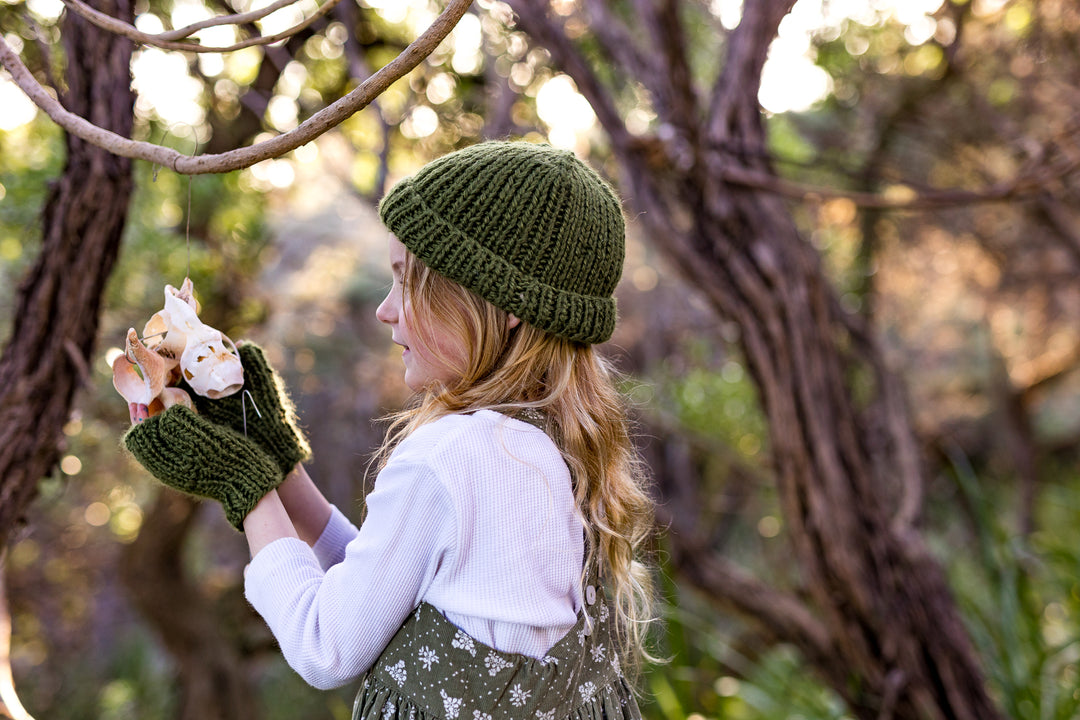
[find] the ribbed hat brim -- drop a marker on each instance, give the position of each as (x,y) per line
(451,253)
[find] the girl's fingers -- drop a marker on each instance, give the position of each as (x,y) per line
(138,412)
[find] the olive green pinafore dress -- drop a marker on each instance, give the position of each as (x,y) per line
(431,670)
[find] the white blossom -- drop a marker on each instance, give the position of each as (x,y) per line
(428,657)
(451,704)
(518,695)
(495,664)
(463,641)
(397,671)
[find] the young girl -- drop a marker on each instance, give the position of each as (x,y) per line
(495,572)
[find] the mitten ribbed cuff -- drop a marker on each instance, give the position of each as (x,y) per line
(199,458)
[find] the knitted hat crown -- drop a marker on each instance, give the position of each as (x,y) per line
(531,229)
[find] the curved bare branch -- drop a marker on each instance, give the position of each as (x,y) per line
(533,18)
(165,42)
(234,19)
(906,198)
(316,125)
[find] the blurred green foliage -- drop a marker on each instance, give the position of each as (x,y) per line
(1021,596)
(30,157)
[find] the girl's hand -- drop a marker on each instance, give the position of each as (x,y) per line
(138,412)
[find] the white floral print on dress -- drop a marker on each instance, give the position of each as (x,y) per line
(462,641)
(388,710)
(519,695)
(452,705)
(597,653)
(428,657)
(496,664)
(603,612)
(587,691)
(549,715)
(477,715)
(397,671)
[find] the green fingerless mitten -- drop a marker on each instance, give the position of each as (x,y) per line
(198,457)
(273,427)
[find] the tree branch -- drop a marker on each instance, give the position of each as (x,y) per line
(232,19)
(359,68)
(163,40)
(680,97)
(781,616)
(619,44)
(906,199)
(533,19)
(742,67)
(316,125)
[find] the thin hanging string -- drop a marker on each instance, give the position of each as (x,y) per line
(244,396)
(187,219)
(187,224)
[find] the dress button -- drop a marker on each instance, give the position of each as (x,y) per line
(590,594)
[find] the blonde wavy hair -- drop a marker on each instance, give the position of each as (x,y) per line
(515,369)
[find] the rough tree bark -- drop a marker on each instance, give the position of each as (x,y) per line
(56,311)
(878,621)
(213,684)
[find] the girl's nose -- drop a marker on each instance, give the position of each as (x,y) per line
(385,312)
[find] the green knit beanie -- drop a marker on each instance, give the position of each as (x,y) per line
(531,229)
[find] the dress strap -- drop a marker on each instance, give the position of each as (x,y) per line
(533,416)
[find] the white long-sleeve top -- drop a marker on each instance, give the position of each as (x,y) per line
(474,514)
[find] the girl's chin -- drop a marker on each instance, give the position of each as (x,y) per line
(410,382)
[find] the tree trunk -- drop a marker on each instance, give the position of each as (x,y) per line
(57,306)
(878,621)
(212,681)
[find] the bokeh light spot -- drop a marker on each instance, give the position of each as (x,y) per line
(97,514)
(70,465)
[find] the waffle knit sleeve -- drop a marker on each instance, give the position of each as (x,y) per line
(332,624)
(339,532)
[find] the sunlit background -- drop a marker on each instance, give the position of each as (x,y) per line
(791,82)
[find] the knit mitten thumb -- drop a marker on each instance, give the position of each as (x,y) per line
(198,457)
(271,422)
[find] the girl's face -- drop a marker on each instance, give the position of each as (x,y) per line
(430,350)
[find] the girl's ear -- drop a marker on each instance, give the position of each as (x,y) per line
(512,321)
